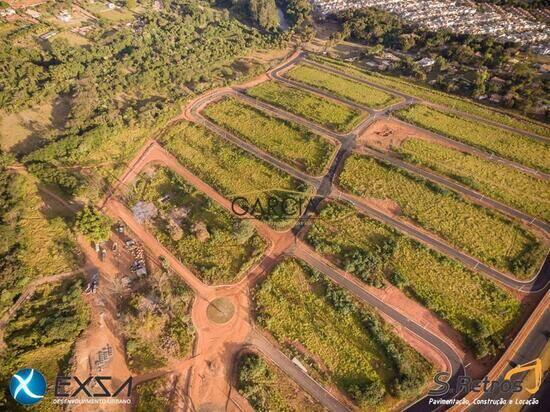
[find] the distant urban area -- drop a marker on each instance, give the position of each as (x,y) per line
(504,24)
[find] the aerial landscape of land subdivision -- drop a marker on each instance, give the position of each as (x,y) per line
(274,205)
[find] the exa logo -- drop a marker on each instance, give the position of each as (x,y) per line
(28,386)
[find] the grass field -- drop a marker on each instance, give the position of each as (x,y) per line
(340,86)
(232,171)
(470,303)
(268,389)
(511,186)
(230,247)
(307,105)
(23,131)
(484,234)
(338,339)
(513,146)
(438,97)
(285,140)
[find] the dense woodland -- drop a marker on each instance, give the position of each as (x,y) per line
(124,84)
(464,63)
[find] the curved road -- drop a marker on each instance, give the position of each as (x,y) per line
(276,74)
(323,186)
(428,103)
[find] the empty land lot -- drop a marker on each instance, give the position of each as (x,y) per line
(327,113)
(268,389)
(438,97)
(511,186)
(283,139)
(213,243)
(484,234)
(232,171)
(343,342)
(513,146)
(471,304)
(342,87)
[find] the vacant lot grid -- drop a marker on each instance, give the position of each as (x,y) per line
(484,234)
(527,151)
(343,342)
(438,97)
(232,171)
(340,86)
(283,139)
(471,304)
(508,185)
(327,113)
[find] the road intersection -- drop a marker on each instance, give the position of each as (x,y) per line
(218,345)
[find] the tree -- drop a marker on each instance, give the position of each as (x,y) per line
(264,13)
(479,83)
(92,224)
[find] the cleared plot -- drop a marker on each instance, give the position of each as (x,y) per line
(268,389)
(438,97)
(307,105)
(484,234)
(471,304)
(519,190)
(215,245)
(513,146)
(340,86)
(234,172)
(341,341)
(285,140)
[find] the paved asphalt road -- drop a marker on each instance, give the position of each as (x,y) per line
(530,349)
(323,186)
(534,285)
(457,368)
(397,93)
(409,100)
(296,374)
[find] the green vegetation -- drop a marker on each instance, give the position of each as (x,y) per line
(156,320)
(484,234)
(340,340)
(30,245)
(154,395)
(307,105)
(530,152)
(340,86)
(43,332)
(114,98)
(215,245)
(438,97)
(463,63)
(92,224)
(470,303)
(511,186)
(268,389)
(218,162)
(283,139)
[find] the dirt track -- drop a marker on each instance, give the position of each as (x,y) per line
(217,345)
